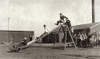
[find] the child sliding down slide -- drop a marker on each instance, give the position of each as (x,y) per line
(24,44)
(21,45)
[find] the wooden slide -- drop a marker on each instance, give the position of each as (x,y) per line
(43,35)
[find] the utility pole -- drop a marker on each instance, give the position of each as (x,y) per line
(93,11)
(8,29)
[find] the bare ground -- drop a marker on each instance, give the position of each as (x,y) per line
(49,52)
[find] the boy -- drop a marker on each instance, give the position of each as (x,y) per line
(23,43)
(62,19)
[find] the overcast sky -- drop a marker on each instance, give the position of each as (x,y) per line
(33,14)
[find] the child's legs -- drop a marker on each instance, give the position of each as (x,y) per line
(60,21)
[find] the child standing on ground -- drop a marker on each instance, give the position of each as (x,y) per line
(92,41)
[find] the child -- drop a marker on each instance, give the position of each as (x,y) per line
(23,43)
(62,19)
(92,41)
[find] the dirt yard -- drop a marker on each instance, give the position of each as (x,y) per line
(49,52)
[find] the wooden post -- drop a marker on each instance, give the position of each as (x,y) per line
(55,39)
(8,30)
(65,38)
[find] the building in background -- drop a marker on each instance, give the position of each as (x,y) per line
(14,36)
(88,28)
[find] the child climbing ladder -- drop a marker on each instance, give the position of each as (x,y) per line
(66,26)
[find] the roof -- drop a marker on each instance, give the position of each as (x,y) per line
(16,30)
(84,26)
(76,27)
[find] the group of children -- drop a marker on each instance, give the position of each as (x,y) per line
(83,40)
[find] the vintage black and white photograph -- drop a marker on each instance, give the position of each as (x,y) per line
(49,29)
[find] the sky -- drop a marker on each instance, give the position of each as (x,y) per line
(31,15)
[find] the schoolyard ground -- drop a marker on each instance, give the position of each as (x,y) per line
(46,51)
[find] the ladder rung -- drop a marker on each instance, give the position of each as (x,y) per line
(69,43)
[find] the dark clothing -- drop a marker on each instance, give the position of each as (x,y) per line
(68,23)
(59,22)
(84,43)
(78,42)
(30,38)
(24,42)
(62,17)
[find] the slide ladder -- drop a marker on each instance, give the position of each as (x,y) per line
(69,31)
